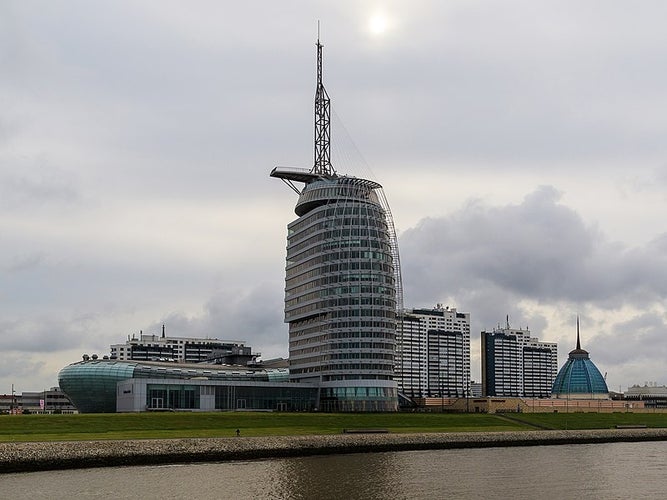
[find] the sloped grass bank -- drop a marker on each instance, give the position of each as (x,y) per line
(196,425)
(169,425)
(577,421)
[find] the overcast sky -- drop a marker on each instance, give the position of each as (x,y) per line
(522,147)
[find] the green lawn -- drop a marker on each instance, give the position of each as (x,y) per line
(186,424)
(194,425)
(593,420)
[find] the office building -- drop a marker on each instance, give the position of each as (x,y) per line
(342,282)
(514,364)
(50,401)
(433,357)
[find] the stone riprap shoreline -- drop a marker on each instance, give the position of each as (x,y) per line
(36,456)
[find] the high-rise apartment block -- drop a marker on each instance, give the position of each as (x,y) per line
(433,356)
(514,364)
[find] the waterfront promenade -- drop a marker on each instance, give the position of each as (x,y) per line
(35,456)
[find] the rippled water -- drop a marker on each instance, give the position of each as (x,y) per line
(604,471)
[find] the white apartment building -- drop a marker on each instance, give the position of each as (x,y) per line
(433,352)
(514,364)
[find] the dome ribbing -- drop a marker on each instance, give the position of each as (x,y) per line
(579,378)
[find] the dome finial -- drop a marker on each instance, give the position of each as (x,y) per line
(578,341)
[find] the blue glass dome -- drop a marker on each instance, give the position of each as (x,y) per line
(579,377)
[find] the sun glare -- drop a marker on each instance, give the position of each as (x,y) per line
(378,23)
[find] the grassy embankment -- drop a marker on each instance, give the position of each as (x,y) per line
(200,425)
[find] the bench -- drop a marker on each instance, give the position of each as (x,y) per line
(365,431)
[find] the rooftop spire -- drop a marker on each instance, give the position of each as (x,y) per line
(322,165)
(578,341)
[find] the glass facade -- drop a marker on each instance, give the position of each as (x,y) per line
(260,398)
(174,397)
(579,376)
(230,397)
(340,295)
(91,385)
(343,399)
(343,280)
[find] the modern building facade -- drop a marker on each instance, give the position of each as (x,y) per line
(107,386)
(514,364)
(182,349)
(342,283)
(433,357)
(579,378)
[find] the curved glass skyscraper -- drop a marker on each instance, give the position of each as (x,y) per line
(342,283)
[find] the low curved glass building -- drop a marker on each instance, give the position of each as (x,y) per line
(107,386)
(579,378)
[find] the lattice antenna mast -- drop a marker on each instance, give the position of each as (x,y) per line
(322,164)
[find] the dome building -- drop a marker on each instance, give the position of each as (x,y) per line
(579,378)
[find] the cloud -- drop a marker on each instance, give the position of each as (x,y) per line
(137,137)
(25,262)
(18,368)
(538,261)
(642,337)
(42,188)
(46,333)
(538,249)
(253,314)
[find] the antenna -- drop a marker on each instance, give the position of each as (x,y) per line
(322,164)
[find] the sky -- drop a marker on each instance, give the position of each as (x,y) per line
(521,146)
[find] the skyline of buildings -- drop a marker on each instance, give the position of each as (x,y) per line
(342,294)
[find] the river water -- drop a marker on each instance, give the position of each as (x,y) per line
(599,471)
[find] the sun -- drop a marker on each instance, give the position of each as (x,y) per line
(378,23)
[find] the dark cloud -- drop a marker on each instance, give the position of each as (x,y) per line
(643,338)
(21,263)
(253,314)
(538,249)
(18,368)
(47,333)
(41,187)
(494,261)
